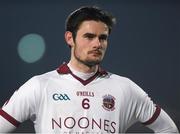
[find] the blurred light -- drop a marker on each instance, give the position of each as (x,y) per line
(31,48)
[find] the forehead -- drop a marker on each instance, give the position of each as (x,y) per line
(92,26)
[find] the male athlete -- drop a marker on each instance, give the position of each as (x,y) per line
(79,96)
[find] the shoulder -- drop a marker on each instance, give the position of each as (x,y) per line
(127,84)
(46,76)
(37,81)
(118,78)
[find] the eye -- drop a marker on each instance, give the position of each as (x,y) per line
(89,36)
(103,37)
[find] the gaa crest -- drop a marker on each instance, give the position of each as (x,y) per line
(108,102)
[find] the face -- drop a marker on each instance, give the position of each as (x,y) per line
(90,43)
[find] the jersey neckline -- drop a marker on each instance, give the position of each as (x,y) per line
(64,69)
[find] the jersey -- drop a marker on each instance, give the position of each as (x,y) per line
(61,102)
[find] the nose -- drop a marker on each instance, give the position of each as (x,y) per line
(97,43)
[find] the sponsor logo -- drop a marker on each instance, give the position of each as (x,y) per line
(84,123)
(60,97)
(108,102)
(85,93)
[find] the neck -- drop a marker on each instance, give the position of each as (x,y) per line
(82,67)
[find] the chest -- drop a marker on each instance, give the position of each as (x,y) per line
(98,96)
(72,105)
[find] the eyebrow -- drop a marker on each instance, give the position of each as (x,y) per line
(93,35)
(89,34)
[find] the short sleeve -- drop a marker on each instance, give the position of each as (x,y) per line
(145,110)
(22,104)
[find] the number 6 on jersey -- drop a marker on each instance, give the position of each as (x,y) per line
(85,103)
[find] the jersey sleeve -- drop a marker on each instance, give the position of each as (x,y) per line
(20,107)
(150,114)
(163,124)
(145,110)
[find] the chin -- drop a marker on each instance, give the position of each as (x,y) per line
(92,62)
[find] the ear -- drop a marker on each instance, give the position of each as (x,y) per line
(69,38)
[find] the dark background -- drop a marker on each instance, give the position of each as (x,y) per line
(144,46)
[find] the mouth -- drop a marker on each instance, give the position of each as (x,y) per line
(95,52)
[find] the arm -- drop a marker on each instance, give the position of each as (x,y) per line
(7,122)
(163,124)
(150,114)
(20,107)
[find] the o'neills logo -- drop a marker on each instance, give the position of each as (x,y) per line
(108,102)
(85,123)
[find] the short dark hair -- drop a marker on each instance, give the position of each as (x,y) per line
(84,13)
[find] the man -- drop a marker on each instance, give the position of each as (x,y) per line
(81,97)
